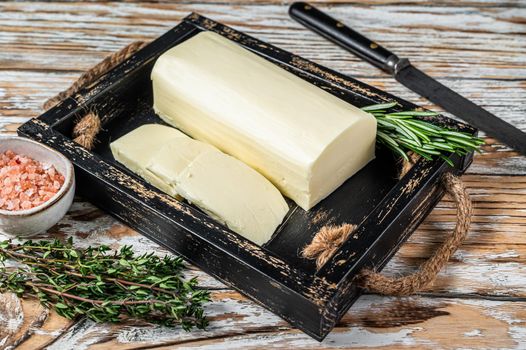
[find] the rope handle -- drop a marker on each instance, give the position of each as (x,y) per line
(427,272)
(327,241)
(87,127)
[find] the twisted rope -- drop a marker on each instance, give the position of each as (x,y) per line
(326,243)
(427,272)
(87,128)
(330,238)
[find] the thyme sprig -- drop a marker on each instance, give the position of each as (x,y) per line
(101,285)
(403,132)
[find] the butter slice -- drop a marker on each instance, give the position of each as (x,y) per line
(234,194)
(225,188)
(135,150)
(302,138)
(168,161)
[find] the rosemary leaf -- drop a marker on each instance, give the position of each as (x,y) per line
(380,106)
(415,113)
(402,132)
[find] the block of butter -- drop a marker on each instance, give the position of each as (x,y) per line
(233,193)
(225,188)
(305,140)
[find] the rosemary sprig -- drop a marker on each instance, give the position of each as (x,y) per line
(100,285)
(403,132)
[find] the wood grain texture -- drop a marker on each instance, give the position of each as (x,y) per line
(476,47)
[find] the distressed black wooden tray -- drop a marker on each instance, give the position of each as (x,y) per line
(386,210)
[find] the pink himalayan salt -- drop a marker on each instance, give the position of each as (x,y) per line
(26,183)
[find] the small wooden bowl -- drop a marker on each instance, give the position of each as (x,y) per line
(29,222)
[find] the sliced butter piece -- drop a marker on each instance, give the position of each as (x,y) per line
(135,150)
(172,158)
(305,140)
(234,194)
(222,186)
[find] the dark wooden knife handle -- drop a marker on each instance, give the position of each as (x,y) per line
(343,36)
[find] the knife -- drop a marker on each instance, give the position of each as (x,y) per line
(407,74)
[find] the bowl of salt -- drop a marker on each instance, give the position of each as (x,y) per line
(37,186)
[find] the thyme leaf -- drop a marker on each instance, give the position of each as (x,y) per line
(101,285)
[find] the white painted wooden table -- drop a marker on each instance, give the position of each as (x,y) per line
(477,47)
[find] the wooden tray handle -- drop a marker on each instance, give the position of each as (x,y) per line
(426,274)
(87,128)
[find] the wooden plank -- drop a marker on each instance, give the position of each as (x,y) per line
(442,42)
(237,323)
(442,3)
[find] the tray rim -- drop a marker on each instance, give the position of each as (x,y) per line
(323,285)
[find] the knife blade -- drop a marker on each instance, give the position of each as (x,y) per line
(408,75)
